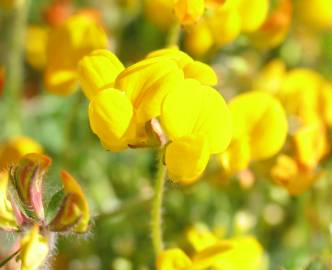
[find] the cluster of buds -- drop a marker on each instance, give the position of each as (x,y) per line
(22,208)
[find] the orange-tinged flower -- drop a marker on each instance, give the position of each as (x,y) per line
(275,29)
(74,211)
(288,173)
(15,148)
(68,43)
(189,11)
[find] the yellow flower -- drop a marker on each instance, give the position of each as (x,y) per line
(200,237)
(289,174)
(263,129)
(311,144)
(271,77)
(160,12)
(173,259)
(118,116)
(225,23)
(34,249)
(299,95)
(199,39)
(252,13)
(197,122)
(237,253)
(325,103)
(7,217)
(68,43)
(275,29)
(15,148)
(237,157)
(98,71)
(189,11)
(192,69)
(74,212)
(316,14)
(35,46)
(243,252)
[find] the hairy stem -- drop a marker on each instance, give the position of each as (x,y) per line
(156,213)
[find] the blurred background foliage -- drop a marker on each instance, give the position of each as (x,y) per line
(296,232)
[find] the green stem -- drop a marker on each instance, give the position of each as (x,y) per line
(15,67)
(156,213)
(174,35)
(5,261)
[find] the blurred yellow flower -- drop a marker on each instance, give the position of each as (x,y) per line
(35,45)
(258,134)
(275,29)
(288,173)
(68,43)
(252,13)
(225,23)
(34,249)
(316,14)
(311,144)
(237,253)
(197,121)
(160,12)
(15,148)
(98,71)
(199,39)
(7,217)
(173,259)
(189,11)
(271,77)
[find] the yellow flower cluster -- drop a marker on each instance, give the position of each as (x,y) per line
(167,85)
(224,22)
(307,99)
(210,252)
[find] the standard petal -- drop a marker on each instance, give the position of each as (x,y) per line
(146,83)
(198,110)
(98,71)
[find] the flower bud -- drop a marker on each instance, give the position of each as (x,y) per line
(27,177)
(34,249)
(74,211)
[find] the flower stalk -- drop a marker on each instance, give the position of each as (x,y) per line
(15,65)
(156,213)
